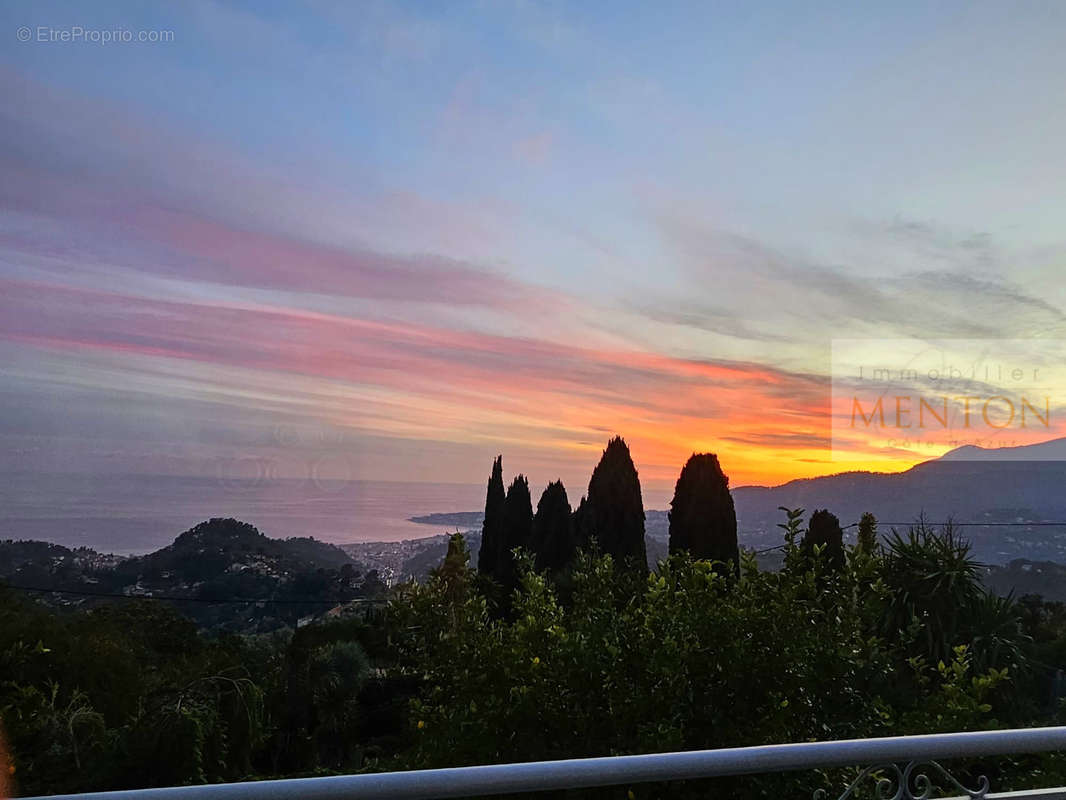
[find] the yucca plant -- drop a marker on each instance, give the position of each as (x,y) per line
(997,639)
(932,582)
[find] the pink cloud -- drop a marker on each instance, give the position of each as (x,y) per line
(475,384)
(227,254)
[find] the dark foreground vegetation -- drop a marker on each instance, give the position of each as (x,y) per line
(561,645)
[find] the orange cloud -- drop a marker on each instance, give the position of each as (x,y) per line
(411,381)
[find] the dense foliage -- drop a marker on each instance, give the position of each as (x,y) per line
(128,694)
(899,639)
(699,657)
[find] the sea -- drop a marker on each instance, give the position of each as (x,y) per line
(134,514)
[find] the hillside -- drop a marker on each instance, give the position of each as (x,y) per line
(220,547)
(207,572)
(1024,577)
(969,487)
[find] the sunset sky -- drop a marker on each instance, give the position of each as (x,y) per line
(388,241)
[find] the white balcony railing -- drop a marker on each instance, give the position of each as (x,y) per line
(907,766)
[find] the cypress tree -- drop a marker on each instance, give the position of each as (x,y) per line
(615,509)
(518,514)
(867,538)
(824,529)
(492,529)
(580,522)
(517,527)
(703,520)
(553,539)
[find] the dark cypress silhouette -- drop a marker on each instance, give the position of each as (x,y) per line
(580,523)
(553,537)
(489,558)
(824,529)
(867,538)
(518,514)
(518,529)
(703,520)
(615,509)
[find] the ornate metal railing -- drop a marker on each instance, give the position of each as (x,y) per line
(909,781)
(906,768)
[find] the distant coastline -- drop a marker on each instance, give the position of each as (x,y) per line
(138,514)
(462,519)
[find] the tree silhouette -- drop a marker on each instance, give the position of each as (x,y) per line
(454,571)
(824,530)
(615,512)
(489,558)
(703,520)
(867,538)
(553,537)
(518,514)
(517,527)
(581,523)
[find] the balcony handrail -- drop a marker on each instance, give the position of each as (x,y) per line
(583,773)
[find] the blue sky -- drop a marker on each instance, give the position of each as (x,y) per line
(613,208)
